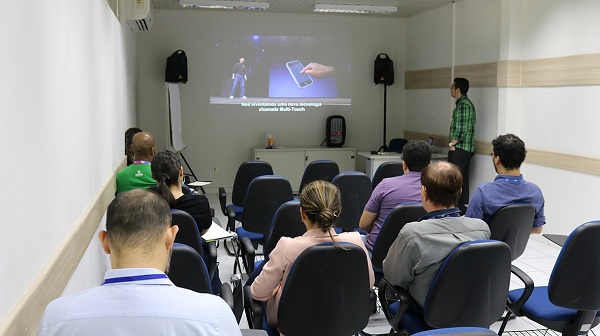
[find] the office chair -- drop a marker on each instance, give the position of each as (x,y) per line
(396,145)
(469,290)
(570,303)
(512,225)
(286,223)
(188,270)
(264,196)
(355,188)
(246,172)
(393,223)
(324,170)
(326,293)
(385,170)
(188,234)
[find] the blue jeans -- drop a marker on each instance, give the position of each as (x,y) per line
(238,79)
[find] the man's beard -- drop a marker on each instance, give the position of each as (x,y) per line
(168,267)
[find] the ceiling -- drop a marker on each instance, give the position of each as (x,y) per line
(406,8)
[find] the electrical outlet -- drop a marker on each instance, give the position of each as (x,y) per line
(214,169)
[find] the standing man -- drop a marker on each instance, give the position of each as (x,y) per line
(138,174)
(239,76)
(462,134)
(137,297)
(393,191)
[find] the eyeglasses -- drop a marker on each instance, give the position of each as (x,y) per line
(492,154)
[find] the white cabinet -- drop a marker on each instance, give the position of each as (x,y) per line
(290,162)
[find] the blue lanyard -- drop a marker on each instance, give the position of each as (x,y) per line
(509,180)
(135,278)
(452,214)
(141,162)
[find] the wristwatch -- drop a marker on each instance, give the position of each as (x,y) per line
(451,144)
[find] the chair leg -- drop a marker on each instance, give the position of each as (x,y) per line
(504,322)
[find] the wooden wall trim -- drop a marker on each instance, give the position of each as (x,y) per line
(575,163)
(558,71)
(51,282)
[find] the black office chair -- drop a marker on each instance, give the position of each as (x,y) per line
(246,172)
(385,170)
(188,270)
(469,290)
(324,170)
(326,293)
(570,304)
(393,223)
(512,225)
(188,234)
(355,188)
(264,196)
(287,222)
(396,145)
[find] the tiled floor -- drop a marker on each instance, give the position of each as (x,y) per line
(537,261)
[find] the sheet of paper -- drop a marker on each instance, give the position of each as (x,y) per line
(216,232)
(199,183)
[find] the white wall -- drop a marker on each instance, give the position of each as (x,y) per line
(66,98)
(555,119)
(223,138)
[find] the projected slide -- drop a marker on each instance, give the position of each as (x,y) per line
(280,73)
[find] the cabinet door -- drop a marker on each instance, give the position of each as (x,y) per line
(289,164)
(345,158)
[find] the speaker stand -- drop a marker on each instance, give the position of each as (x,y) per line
(383,147)
(191,171)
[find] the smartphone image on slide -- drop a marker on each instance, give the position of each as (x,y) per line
(303,80)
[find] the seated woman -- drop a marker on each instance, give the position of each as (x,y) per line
(320,205)
(168,174)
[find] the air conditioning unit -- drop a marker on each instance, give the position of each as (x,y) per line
(139,15)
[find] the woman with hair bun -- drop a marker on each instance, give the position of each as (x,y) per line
(320,206)
(168,173)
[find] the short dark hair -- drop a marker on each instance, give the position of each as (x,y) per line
(136,218)
(442,181)
(416,154)
(510,149)
(462,84)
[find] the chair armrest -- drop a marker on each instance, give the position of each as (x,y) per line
(212,259)
(248,254)
(227,295)
(515,307)
(396,294)
(230,213)
(254,310)
(223,200)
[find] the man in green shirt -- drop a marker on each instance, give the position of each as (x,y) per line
(138,174)
(462,134)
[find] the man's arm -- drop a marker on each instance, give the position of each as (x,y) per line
(366,221)
(537,230)
(475,208)
(399,264)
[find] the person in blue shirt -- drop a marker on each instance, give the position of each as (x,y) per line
(509,186)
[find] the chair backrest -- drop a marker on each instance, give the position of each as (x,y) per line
(393,223)
(188,269)
(355,188)
(471,286)
(326,292)
(512,225)
(265,195)
(188,230)
(324,170)
(576,274)
(385,170)
(245,174)
(286,223)
(396,145)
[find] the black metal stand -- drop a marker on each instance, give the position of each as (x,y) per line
(191,173)
(383,147)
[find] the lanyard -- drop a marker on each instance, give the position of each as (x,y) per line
(509,180)
(135,278)
(141,162)
(452,212)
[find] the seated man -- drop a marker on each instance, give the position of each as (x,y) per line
(136,297)
(138,174)
(393,191)
(419,250)
(509,186)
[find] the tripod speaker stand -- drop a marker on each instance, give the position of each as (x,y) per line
(384,74)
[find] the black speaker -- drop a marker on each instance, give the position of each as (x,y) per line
(176,70)
(384,70)
(336,131)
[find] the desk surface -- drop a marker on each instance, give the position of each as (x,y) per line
(392,156)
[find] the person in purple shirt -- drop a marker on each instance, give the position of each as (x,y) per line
(509,186)
(393,191)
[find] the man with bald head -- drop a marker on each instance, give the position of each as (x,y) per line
(417,253)
(138,174)
(137,297)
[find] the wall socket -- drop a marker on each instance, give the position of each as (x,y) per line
(214,169)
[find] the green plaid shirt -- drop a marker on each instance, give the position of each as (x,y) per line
(462,127)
